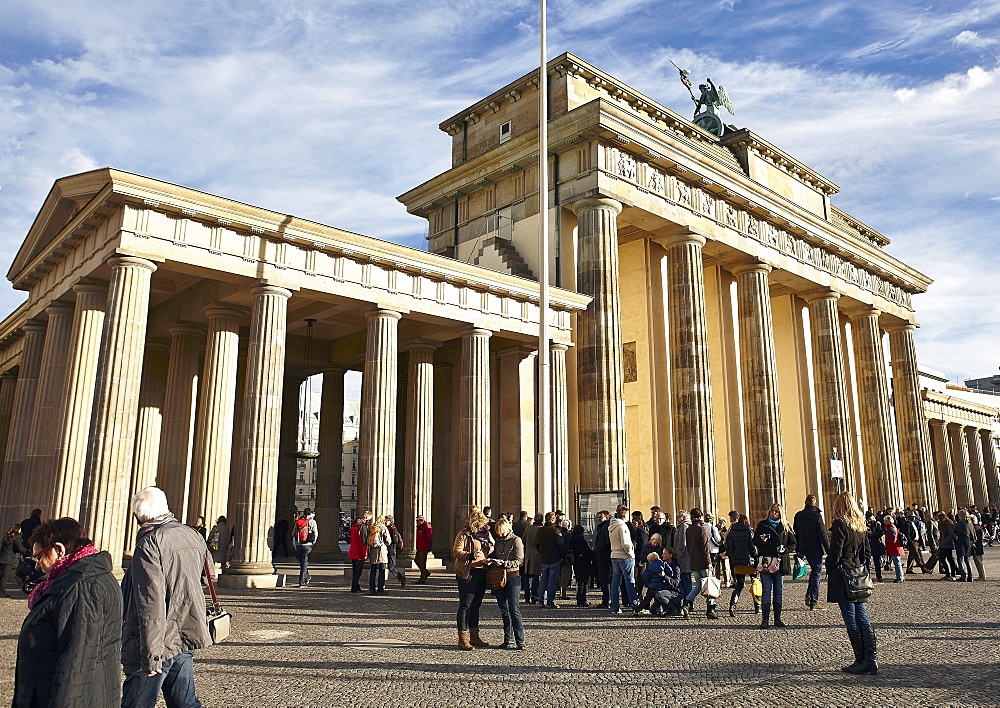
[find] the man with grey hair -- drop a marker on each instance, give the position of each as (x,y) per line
(164,617)
(681,551)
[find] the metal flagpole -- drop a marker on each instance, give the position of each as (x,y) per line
(544,467)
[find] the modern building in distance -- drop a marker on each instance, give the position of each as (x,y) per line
(988,384)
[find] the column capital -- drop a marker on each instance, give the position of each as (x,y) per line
(121,261)
(559,347)
(681,238)
(595,203)
(382,314)
(754,267)
(954,426)
(182,328)
(90,289)
(425,345)
(334,370)
(224,309)
(476,332)
(903,327)
(820,295)
(8,375)
(522,352)
(33,327)
(866,313)
(266,289)
(937,422)
(971,428)
(58,308)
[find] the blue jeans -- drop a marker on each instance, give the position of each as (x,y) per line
(816,574)
(549,586)
(302,552)
(176,682)
(695,577)
(510,611)
(855,615)
(964,568)
(897,564)
(623,570)
(773,585)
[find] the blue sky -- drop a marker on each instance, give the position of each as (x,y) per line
(328,110)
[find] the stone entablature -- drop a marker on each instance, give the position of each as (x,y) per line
(941,406)
(162,222)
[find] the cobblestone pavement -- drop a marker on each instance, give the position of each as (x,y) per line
(319,646)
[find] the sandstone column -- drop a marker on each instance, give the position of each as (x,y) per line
(960,465)
(759,379)
(976,467)
(690,379)
(989,464)
(419,459)
(174,469)
(833,417)
(288,443)
(14,493)
(328,473)
(257,472)
(8,384)
(600,376)
(561,495)
(911,425)
(873,404)
(514,391)
(104,503)
(377,446)
(209,496)
(45,433)
(78,401)
(474,428)
(148,426)
(443,480)
(942,456)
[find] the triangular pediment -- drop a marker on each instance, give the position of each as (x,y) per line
(67,198)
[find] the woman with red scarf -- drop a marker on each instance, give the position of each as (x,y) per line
(69,648)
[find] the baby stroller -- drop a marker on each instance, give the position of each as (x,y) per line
(28,574)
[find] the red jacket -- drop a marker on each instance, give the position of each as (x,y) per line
(425,534)
(892,541)
(359,541)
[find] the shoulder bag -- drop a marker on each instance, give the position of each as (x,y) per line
(496,575)
(711,587)
(218,618)
(857,583)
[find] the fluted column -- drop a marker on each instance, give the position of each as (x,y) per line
(600,377)
(474,425)
(960,465)
(942,460)
(873,407)
(444,483)
(690,378)
(177,435)
(328,473)
(78,401)
(911,425)
(515,483)
(14,501)
(148,426)
(976,470)
(104,503)
(989,464)
(560,428)
(8,385)
(833,417)
(45,432)
(257,471)
(759,379)
(418,463)
(377,446)
(213,445)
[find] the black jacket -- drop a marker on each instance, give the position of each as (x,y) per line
(69,648)
(810,532)
(551,544)
(774,543)
(876,538)
(11,552)
(602,542)
(848,548)
(738,544)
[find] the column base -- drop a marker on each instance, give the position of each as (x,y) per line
(249,581)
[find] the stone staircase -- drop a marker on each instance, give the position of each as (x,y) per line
(500,255)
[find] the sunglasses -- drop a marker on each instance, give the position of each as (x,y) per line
(36,556)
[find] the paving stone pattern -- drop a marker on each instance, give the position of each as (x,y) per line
(322,646)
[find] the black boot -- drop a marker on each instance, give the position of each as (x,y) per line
(732,604)
(777,615)
(710,613)
(765,615)
(870,665)
(756,606)
(858,645)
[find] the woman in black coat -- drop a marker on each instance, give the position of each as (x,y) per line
(583,564)
(69,648)
(876,541)
(739,552)
(12,550)
(849,548)
(773,542)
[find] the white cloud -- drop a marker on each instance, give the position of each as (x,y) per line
(974,39)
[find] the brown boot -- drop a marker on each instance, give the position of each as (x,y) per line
(463,641)
(474,638)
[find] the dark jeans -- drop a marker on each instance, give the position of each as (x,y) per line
(510,611)
(471,592)
(302,552)
(531,588)
(685,583)
(670,599)
(393,570)
(176,682)
(284,547)
(741,582)
(947,562)
(877,565)
(357,568)
(6,571)
(962,558)
(855,615)
(773,587)
(376,578)
(549,585)
(582,573)
(815,575)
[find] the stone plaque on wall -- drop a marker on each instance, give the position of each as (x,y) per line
(628,362)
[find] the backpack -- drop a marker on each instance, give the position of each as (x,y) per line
(374,538)
(305,533)
(397,539)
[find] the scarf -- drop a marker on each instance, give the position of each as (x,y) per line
(61,565)
(774,522)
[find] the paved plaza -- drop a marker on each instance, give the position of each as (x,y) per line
(322,646)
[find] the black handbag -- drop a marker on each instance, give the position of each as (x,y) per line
(857,582)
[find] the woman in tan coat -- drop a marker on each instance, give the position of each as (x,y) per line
(471,547)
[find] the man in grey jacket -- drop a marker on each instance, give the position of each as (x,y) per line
(164,618)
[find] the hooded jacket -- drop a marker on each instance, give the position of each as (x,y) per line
(621,539)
